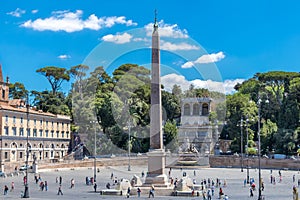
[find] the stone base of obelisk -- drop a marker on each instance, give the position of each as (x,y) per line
(156,168)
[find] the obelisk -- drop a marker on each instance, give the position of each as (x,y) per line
(156,154)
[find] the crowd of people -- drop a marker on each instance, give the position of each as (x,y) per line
(208,188)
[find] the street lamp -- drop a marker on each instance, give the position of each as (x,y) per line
(129,127)
(242,144)
(242,138)
(26,191)
(95,150)
(247,152)
(259,148)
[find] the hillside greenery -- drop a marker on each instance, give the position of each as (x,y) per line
(113,105)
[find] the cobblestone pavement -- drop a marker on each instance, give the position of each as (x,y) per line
(234,179)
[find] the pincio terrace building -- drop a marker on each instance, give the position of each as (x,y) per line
(48,134)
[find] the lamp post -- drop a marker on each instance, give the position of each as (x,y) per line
(129,127)
(247,140)
(242,144)
(240,124)
(95,150)
(259,148)
(26,191)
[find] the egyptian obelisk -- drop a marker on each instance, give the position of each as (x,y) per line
(156,154)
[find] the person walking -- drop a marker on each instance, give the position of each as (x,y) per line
(220,193)
(95,187)
(59,191)
(128,192)
(46,186)
(72,183)
(138,192)
(12,186)
(212,190)
(151,192)
(5,190)
(251,192)
(208,194)
(60,180)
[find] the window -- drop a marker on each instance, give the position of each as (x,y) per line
(28,132)
(67,134)
(41,122)
(47,133)
(21,120)
(34,133)
(205,109)
(14,131)
(57,134)
(52,133)
(21,154)
(5,155)
(34,122)
(3,93)
(52,124)
(14,119)
(41,133)
(6,118)
(62,134)
(186,109)
(57,125)
(62,125)
(46,123)
(196,109)
(21,132)
(46,155)
(6,130)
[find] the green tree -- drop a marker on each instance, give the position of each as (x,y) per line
(49,102)
(170,135)
(17,91)
(55,76)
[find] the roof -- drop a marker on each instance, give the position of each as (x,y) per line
(197,100)
(23,109)
(16,102)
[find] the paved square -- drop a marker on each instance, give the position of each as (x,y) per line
(234,179)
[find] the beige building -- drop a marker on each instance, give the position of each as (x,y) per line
(48,134)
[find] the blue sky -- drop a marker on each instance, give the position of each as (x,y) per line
(207,43)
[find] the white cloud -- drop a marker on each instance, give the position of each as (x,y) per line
(167,30)
(34,11)
(118,38)
(226,87)
(169,80)
(188,64)
(210,58)
(72,21)
(175,47)
(17,13)
(229,85)
(204,59)
(141,40)
(63,57)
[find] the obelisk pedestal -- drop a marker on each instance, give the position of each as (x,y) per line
(156,175)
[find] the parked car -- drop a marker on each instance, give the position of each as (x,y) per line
(25,167)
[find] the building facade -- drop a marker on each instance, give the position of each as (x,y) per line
(196,130)
(48,135)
